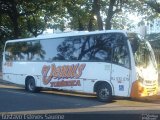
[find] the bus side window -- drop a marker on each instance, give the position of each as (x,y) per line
(121,55)
(142,55)
(97,48)
(9,52)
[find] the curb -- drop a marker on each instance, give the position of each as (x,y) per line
(3,81)
(150,99)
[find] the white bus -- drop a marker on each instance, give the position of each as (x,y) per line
(105,63)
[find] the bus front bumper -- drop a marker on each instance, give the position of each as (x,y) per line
(139,90)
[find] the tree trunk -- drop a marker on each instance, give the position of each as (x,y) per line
(110,15)
(16,32)
(14,18)
(90,25)
(95,12)
(97,8)
(80,25)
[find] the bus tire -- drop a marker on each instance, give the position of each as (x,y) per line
(31,85)
(104,92)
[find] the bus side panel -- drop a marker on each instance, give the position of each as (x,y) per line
(83,78)
(95,72)
(16,72)
(87,76)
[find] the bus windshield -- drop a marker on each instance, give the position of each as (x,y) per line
(142,51)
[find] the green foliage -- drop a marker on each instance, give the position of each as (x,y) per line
(21,18)
(154,39)
(153,36)
(154,4)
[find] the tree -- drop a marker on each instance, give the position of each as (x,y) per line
(115,6)
(92,14)
(154,4)
(21,18)
(95,15)
(77,13)
(101,14)
(30,16)
(16,12)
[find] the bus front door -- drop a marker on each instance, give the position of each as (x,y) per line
(120,74)
(120,77)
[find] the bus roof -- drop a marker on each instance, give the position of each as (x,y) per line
(67,34)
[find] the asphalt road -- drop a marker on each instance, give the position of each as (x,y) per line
(15,100)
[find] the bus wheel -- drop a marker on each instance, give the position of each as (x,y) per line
(104,92)
(30,85)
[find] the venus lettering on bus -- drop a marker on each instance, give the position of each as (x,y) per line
(65,83)
(61,72)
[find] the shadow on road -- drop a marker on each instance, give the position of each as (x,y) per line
(14,99)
